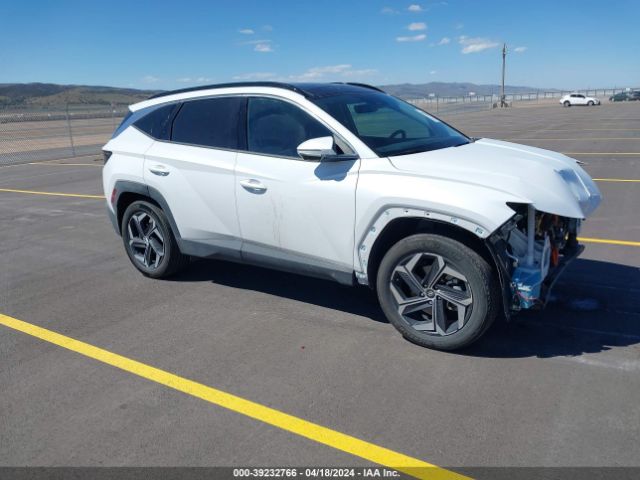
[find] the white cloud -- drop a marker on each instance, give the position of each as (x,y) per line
(444,41)
(414,8)
(267,28)
(246,31)
(475,44)
(254,42)
(433,72)
(263,48)
(359,73)
(335,71)
(413,38)
(150,79)
(194,80)
(520,49)
(389,11)
(255,76)
(415,26)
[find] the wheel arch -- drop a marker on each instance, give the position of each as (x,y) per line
(402,227)
(128,192)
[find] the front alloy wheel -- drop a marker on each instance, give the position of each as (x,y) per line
(437,292)
(431,295)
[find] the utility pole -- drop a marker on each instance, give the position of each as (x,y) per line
(503,102)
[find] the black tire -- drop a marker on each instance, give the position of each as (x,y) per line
(172,260)
(590,103)
(480,279)
(567,103)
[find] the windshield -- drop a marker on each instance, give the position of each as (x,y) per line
(389,126)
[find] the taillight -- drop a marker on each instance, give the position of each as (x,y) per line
(113,196)
(107,155)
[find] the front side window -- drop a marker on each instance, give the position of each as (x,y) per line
(389,126)
(210,122)
(276,127)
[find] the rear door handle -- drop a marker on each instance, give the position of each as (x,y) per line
(159,170)
(252,185)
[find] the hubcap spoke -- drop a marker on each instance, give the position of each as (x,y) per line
(409,278)
(414,305)
(137,243)
(459,297)
(137,226)
(436,271)
(439,318)
(147,256)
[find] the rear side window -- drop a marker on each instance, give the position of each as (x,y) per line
(211,122)
(276,127)
(157,123)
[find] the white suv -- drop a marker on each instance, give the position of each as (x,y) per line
(578,99)
(345,182)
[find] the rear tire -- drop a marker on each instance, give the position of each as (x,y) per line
(567,103)
(437,292)
(149,241)
(590,103)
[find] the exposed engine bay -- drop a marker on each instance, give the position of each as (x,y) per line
(533,248)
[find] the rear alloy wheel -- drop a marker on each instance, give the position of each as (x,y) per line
(149,241)
(437,292)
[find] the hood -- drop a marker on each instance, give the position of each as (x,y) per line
(550,181)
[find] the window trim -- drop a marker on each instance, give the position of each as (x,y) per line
(243,113)
(312,115)
(241,124)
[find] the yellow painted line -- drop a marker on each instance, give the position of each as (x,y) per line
(573,130)
(577,139)
(326,436)
(632,180)
(54,194)
(609,242)
(602,153)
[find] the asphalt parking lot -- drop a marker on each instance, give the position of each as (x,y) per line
(557,388)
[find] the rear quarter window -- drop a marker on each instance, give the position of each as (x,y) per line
(157,123)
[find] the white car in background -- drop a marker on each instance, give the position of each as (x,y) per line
(578,99)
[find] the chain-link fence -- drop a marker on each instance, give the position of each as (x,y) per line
(39,134)
(472,102)
(31,135)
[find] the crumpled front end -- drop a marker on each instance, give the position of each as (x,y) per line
(531,250)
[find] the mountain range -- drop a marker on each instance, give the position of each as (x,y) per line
(54,95)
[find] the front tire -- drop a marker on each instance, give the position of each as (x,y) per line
(149,241)
(567,103)
(590,103)
(437,292)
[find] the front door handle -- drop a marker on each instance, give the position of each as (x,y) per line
(159,170)
(252,185)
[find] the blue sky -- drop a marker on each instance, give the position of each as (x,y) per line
(157,44)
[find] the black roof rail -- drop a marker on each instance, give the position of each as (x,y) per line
(364,85)
(286,86)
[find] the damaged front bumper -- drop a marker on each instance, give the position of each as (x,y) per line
(526,281)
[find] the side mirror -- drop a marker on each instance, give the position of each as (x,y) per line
(321,149)
(316,148)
